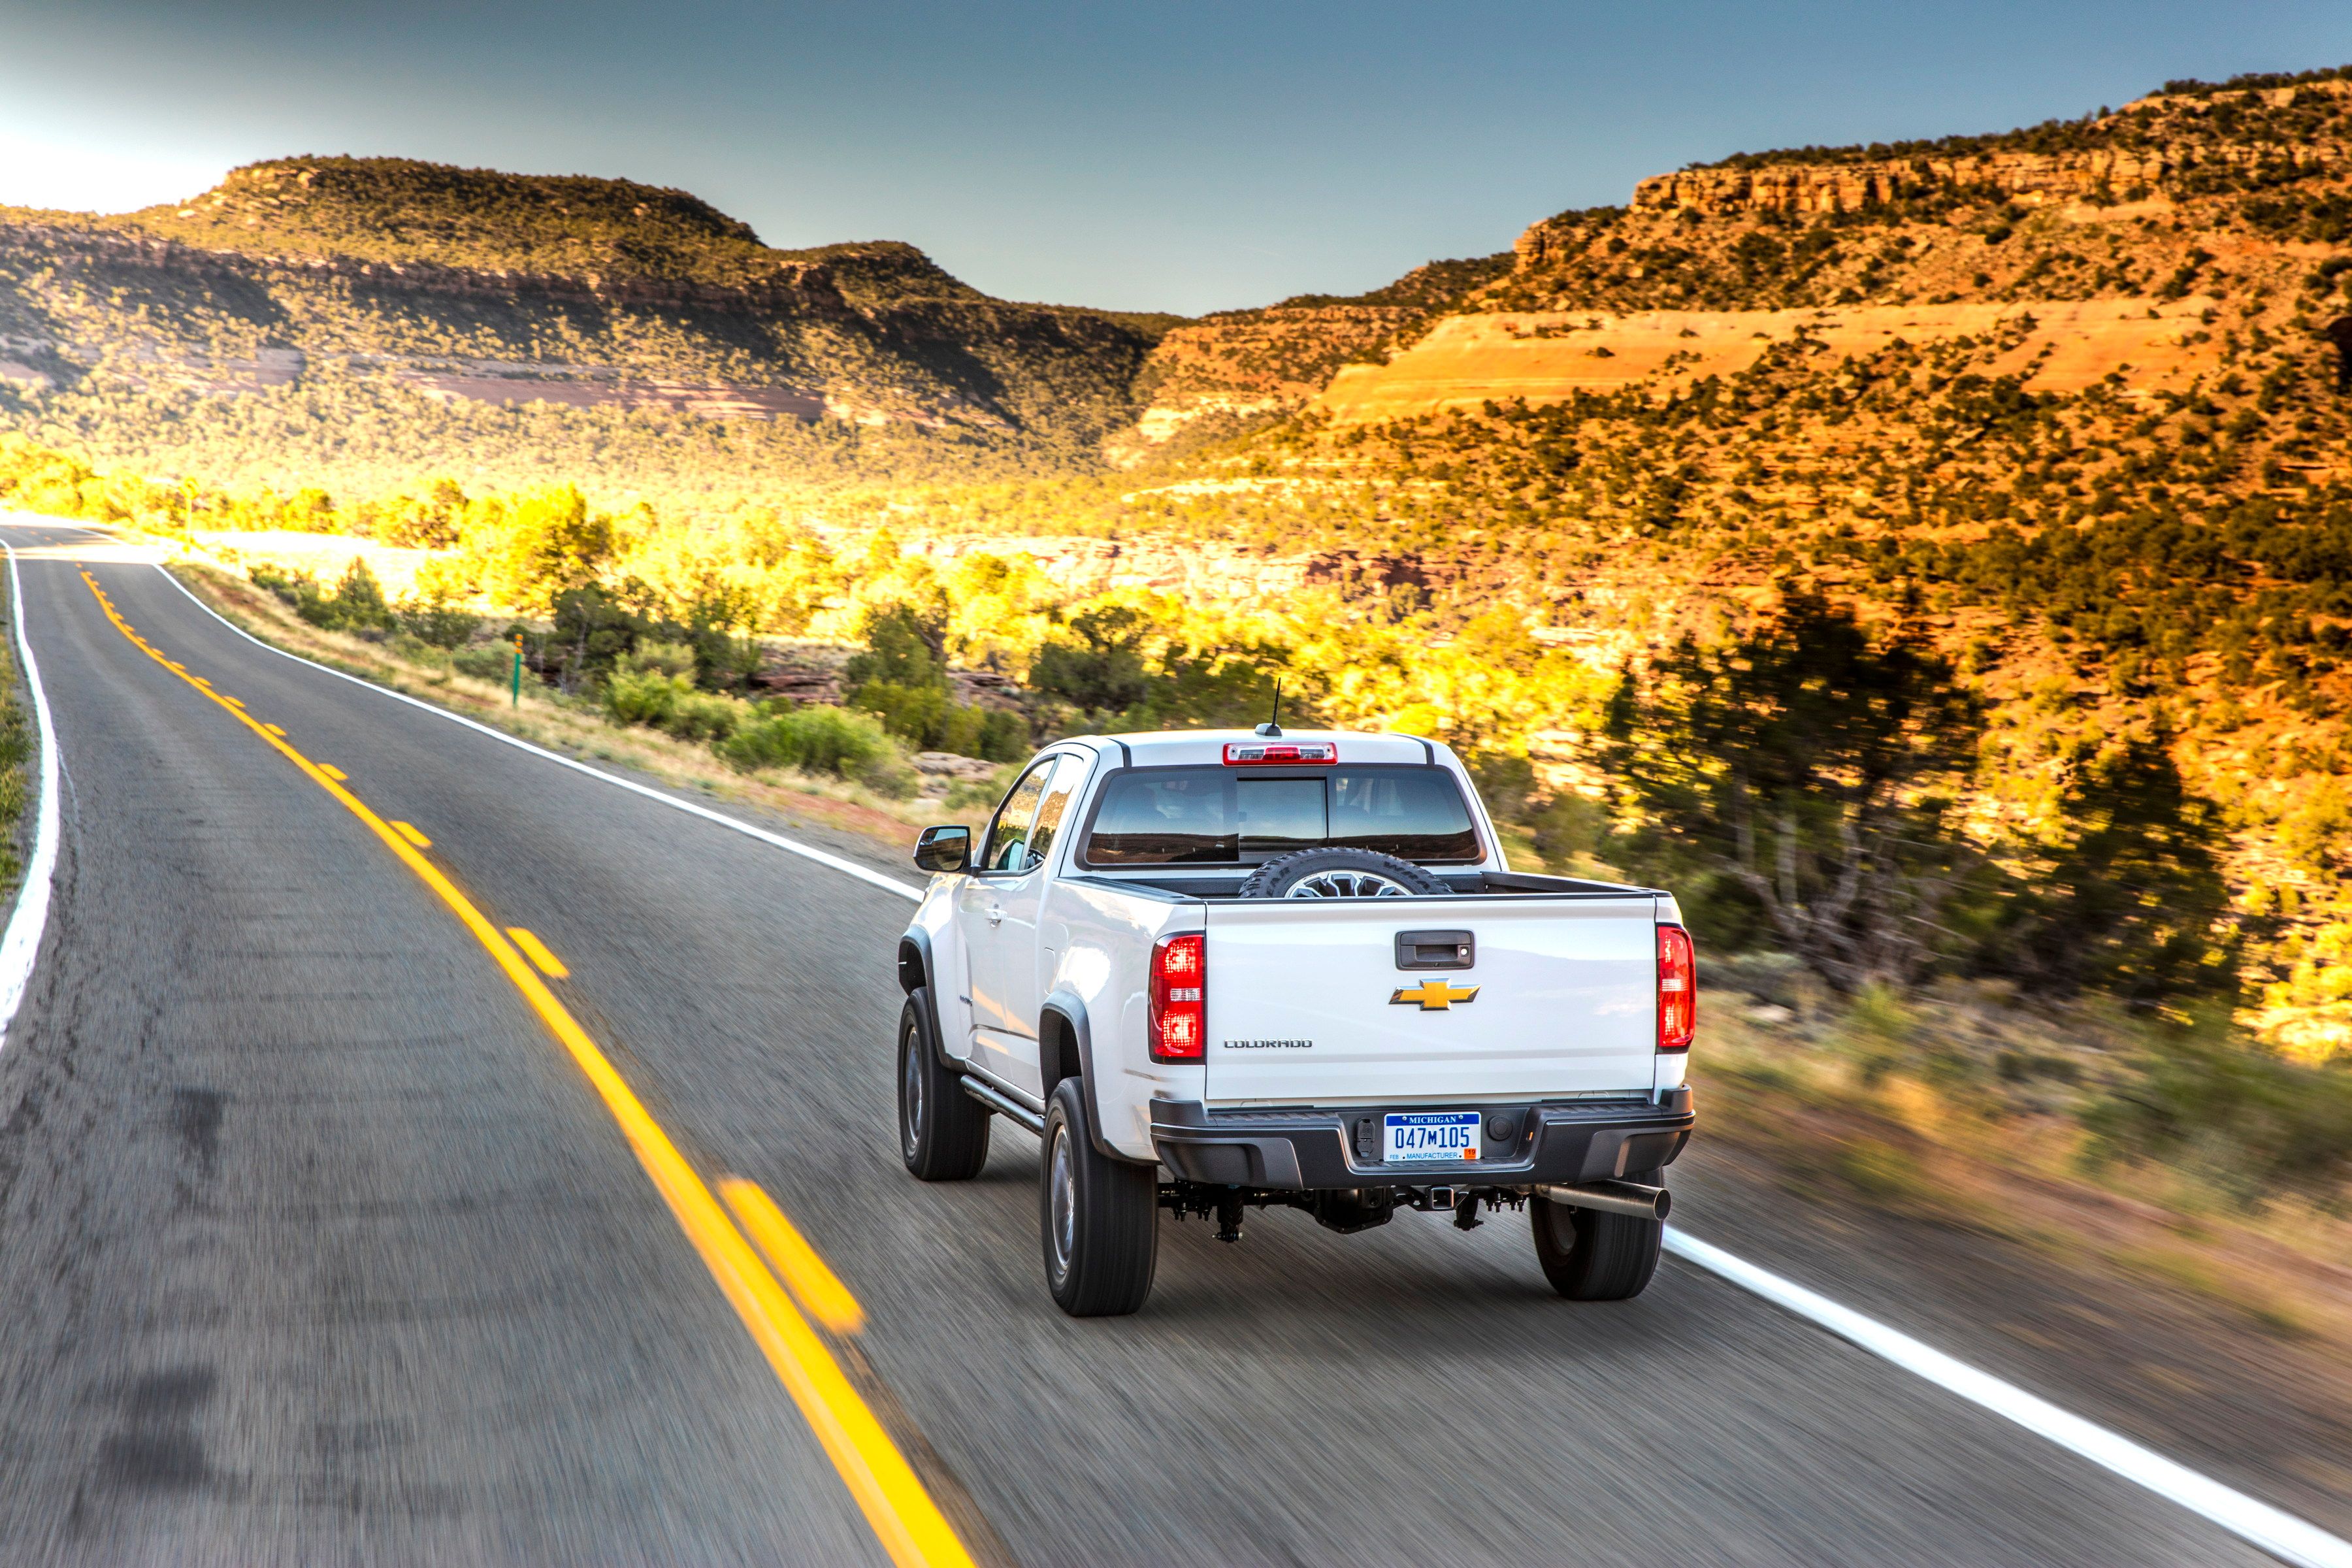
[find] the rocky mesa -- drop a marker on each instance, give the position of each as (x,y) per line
(577,291)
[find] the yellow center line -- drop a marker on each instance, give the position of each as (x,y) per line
(408,830)
(893,1499)
(537,952)
(328,769)
(814,1285)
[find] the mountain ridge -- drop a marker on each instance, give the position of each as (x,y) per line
(573,291)
(406,210)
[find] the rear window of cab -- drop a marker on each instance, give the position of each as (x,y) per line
(1215,815)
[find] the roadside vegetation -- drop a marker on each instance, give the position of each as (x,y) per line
(2182,1158)
(473,680)
(18,745)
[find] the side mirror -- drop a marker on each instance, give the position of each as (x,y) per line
(943,849)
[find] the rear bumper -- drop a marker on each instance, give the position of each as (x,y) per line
(1549,1142)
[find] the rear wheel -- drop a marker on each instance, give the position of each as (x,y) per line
(1100,1216)
(942,1130)
(1591,1256)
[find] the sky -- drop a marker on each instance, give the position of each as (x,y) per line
(1140,155)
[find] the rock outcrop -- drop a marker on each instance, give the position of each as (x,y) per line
(1806,189)
(2136,149)
(800,287)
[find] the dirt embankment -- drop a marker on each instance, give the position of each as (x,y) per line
(1547,357)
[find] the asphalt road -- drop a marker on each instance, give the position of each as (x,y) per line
(315,1245)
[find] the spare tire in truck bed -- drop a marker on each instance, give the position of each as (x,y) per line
(1340,874)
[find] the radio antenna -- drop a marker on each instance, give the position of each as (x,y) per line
(1274,726)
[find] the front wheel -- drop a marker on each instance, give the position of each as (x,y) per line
(942,1130)
(1591,1256)
(1100,1216)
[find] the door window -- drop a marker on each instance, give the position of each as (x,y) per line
(1055,806)
(1008,835)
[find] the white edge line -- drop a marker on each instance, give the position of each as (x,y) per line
(22,942)
(2277,1532)
(791,846)
(2272,1529)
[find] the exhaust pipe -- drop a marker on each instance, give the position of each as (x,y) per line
(1629,1198)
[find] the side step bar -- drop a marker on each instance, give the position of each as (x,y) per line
(1004,1105)
(1630,1199)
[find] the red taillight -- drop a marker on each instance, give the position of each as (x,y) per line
(1283,753)
(1677,989)
(1180,1005)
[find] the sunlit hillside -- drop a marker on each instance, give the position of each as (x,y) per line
(384,286)
(2054,420)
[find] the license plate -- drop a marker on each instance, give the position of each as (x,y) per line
(1415,1137)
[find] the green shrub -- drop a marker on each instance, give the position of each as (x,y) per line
(1001,737)
(822,741)
(2255,1120)
(658,657)
(645,696)
(591,631)
(436,622)
(926,718)
(495,662)
(269,579)
(300,590)
(356,602)
(981,793)
(1098,663)
(706,716)
(359,600)
(904,646)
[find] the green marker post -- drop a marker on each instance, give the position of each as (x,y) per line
(517,685)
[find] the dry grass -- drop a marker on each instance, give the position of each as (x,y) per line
(572,727)
(1961,1109)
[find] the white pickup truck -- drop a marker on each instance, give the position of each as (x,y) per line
(1215,970)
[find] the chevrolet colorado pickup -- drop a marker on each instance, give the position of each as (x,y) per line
(1214,971)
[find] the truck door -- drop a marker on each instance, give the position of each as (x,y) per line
(999,918)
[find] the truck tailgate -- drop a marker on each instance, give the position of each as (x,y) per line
(1304,1004)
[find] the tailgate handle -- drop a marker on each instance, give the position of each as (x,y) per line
(1436,950)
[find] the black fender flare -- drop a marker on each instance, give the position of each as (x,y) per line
(917,977)
(1071,1009)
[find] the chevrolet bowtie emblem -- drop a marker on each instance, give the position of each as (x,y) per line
(1432,996)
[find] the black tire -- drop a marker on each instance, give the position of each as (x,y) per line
(1100,1216)
(942,1130)
(1279,876)
(1591,1256)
